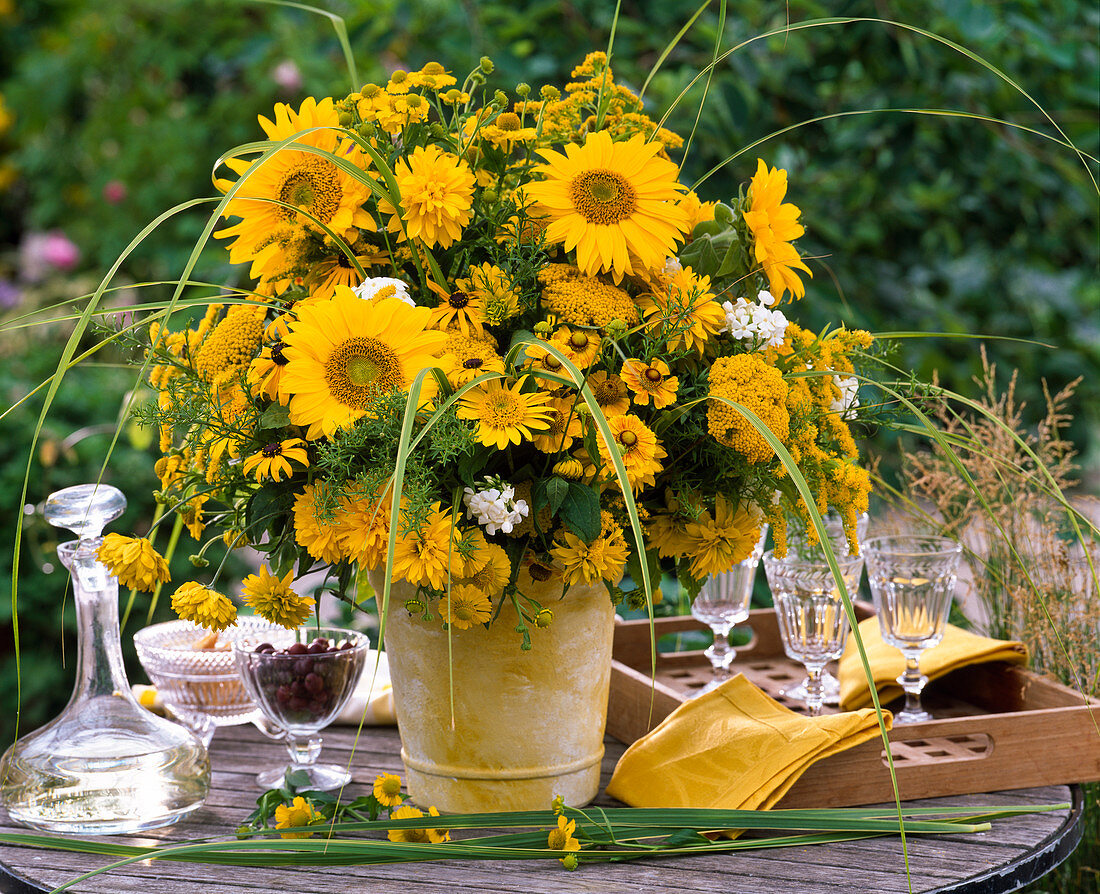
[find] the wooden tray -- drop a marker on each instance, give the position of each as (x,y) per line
(996,727)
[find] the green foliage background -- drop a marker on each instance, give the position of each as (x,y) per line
(918,223)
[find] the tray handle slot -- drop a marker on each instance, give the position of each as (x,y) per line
(940,749)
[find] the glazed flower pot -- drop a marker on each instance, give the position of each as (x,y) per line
(525,726)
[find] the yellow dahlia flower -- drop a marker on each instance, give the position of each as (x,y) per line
(437,191)
(272,598)
(134,561)
(774,225)
(715,544)
(205,607)
(615,203)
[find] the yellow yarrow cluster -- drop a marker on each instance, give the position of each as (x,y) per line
(580,300)
(747,379)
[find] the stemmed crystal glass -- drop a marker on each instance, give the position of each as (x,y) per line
(798,543)
(300,680)
(912,582)
(808,607)
(722,603)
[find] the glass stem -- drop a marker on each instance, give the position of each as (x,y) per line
(303,752)
(720,654)
(912,681)
(815,690)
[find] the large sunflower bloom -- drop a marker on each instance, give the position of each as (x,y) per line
(504,414)
(774,225)
(437,191)
(303,180)
(615,203)
(344,352)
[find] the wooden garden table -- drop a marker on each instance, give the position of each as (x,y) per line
(1015,852)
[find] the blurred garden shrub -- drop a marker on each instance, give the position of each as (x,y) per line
(111,113)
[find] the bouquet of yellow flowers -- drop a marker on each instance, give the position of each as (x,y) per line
(493,340)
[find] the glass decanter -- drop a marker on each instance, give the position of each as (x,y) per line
(105,765)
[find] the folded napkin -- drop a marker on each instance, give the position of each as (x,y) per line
(957,649)
(372,699)
(734,747)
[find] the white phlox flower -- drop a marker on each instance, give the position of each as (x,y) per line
(384,287)
(495,507)
(849,396)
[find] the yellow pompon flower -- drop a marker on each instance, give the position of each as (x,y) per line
(604,557)
(639,448)
(459,309)
(504,414)
(273,460)
(437,191)
(774,225)
(423,557)
(387,789)
(318,535)
(306,182)
(650,382)
(465,606)
(683,311)
(344,352)
(610,393)
(615,203)
(716,544)
(493,576)
(205,607)
(747,379)
(134,561)
(565,426)
(233,343)
(424,836)
(271,598)
(561,838)
(580,300)
(295,815)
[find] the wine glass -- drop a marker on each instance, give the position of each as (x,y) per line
(912,582)
(722,602)
(812,621)
(300,679)
(798,542)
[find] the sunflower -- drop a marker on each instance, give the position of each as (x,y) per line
(317,192)
(272,598)
(466,606)
(650,381)
(457,309)
(715,544)
(504,414)
(637,445)
(205,607)
(387,789)
(273,460)
(344,352)
(437,191)
(774,225)
(611,201)
(466,358)
(565,425)
(134,561)
(610,393)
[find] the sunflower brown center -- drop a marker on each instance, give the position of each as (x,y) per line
(272,450)
(472,363)
(578,341)
(654,376)
(277,355)
(609,391)
(458,300)
(628,439)
(602,197)
(551,362)
(360,368)
(312,184)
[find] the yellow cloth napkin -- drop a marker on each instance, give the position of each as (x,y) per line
(957,649)
(734,747)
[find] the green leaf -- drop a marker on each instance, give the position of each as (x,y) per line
(275,416)
(556,490)
(580,511)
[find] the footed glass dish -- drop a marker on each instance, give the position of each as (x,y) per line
(105,765)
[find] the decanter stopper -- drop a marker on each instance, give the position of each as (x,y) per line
(84,509)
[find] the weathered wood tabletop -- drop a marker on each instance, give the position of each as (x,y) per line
(1015,852)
